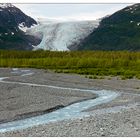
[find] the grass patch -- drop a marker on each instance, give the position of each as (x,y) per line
(93,64)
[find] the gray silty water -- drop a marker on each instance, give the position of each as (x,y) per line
(70,112)
(22,72)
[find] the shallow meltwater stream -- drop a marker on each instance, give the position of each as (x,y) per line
(72,111)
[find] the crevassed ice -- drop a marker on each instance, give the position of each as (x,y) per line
(60,35)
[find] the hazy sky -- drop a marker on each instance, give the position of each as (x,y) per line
(70,11)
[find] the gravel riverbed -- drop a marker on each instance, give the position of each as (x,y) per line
(120,117)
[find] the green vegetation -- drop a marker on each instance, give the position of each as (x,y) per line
(120,31)
(93,64)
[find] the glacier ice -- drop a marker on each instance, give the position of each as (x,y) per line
(61,35)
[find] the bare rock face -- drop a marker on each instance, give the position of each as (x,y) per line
(12,20)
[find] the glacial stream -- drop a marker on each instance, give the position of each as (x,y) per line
(72,111)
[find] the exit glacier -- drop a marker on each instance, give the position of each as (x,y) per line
(61,35)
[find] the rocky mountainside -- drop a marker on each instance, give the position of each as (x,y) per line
(12,24)
(120,31)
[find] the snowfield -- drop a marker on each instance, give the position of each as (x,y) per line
(61,36)
(5,5)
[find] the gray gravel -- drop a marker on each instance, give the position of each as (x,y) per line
(124,123)
(21,101)
(120,117)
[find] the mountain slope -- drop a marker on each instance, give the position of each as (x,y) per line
(12,20)
(120,31)
(62,36)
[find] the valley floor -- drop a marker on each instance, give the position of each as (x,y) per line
(120,117)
